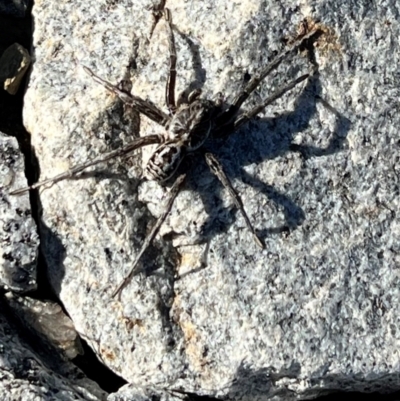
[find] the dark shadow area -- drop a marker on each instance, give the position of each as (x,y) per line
(199,71)
(263,139)
(15,30)
(351,396)
(97,371)
(52,359)
(49,356)
(19,30)
(250,385)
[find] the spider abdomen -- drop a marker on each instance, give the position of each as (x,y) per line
(164,161)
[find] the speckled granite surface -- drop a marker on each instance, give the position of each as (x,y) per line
(19,241)
(318,174)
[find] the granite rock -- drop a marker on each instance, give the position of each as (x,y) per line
(31,371)
(132,392)
(19,241)
(316,310)
(47,320)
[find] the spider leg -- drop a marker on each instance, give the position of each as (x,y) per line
(150,237)
(227,116)
(124,150)
(243,118)
(171,80)
(216,169)
(148,109)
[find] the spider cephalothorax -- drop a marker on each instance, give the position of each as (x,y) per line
(192,123)
(187,131)
(186,128)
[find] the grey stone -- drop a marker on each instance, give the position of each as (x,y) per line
(19,240)
(47,320)
(31,372)
(318,174)
(14,63)
(131,392)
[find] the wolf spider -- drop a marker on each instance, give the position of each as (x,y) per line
(187,126)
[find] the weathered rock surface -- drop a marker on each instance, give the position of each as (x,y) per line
(47,320)
(317,309)
(31,371)
(131,392)
(19,240)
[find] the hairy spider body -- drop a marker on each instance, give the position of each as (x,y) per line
(187,131)
(165,160)
(187,126)
(192,123)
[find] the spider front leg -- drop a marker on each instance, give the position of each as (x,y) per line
(148,109)
(216,169)
(128,148)
(243,118)
(228,116)
(150,237)
(171,80)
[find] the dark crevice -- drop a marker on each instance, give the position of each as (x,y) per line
(351,396)
(98,372)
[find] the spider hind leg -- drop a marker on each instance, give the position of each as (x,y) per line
(135,269)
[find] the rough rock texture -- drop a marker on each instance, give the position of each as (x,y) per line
(19,240)
(29,371)
(48,320)
(317,310)
(131,392)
